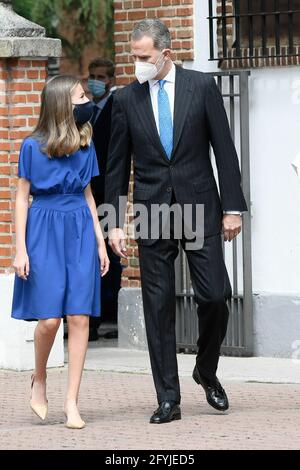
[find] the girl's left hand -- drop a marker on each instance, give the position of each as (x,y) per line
(104,260)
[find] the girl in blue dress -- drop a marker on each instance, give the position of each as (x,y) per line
(60,250)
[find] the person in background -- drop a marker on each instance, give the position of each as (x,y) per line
(101,80)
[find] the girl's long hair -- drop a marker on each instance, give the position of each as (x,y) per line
(56,129)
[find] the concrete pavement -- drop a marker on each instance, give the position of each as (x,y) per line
(108,357)
(117,398)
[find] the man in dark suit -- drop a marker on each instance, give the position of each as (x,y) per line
(101,79)
(167,119)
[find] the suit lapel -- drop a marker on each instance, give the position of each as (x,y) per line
(146,115)
(183,95)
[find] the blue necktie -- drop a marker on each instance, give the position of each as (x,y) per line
(165,119)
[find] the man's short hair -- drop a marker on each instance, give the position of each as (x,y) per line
(155,29)
(107,63)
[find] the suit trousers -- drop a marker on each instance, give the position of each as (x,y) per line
(211,287)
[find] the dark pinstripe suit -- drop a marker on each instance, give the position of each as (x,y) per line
(199,120)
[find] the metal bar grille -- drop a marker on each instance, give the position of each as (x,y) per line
(237,27)
(290,27)
(250,29)
(277,28)
(255,33)
(224,27)
(239,338)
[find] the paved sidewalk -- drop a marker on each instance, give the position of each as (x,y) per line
(117,404)
(102,356)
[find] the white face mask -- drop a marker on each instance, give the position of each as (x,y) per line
(145,71)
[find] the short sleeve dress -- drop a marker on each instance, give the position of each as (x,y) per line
(64,276)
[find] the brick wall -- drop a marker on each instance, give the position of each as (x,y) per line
(178,16)
(21,81)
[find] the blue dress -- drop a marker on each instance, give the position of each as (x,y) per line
(64,276)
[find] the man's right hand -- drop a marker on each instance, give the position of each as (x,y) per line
(117,243)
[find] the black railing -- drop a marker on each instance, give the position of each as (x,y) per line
(255,29)
(234,87)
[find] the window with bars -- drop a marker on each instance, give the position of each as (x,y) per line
(255,28)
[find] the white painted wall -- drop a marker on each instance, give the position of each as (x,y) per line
(201,39)
(16,336)
(275,188)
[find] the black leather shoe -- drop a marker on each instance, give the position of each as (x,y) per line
(215,393)
(165,413)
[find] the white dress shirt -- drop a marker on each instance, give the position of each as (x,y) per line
(170,89)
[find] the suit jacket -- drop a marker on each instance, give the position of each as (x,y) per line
(199,120)
(101,136)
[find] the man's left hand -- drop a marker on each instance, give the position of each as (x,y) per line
(231,226)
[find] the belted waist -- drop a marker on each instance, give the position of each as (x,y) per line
(59,201)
